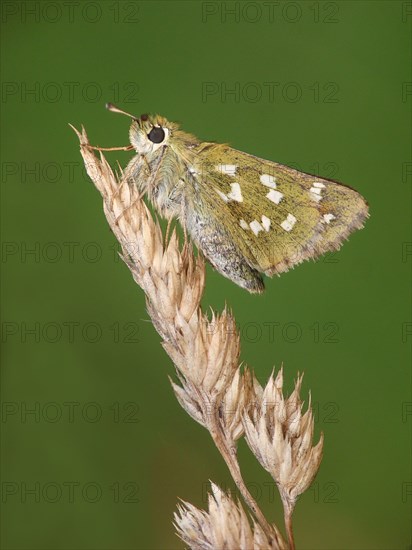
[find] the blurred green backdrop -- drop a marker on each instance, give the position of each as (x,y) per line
(95,448)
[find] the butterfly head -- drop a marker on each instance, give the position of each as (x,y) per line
(148,133)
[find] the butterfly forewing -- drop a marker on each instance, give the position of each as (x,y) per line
(277,216)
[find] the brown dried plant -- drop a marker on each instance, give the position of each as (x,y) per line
(214,389)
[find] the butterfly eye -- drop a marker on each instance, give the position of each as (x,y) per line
(156,135)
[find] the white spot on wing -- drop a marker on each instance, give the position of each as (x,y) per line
(243,224)
(255,227)
(315,197)
(229,169)
(192,170)
(329,217)
(275,196)
(266,223)
(268,180)
(222,195)
(236,193)
(288,224)
(315,191)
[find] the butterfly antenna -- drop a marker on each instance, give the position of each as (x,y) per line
(114,109)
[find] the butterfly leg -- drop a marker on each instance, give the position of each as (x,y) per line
(123,148)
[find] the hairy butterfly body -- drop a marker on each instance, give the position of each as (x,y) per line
(247,215)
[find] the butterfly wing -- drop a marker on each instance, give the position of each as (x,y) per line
(275,216)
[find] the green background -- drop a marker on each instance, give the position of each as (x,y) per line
(74,325)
